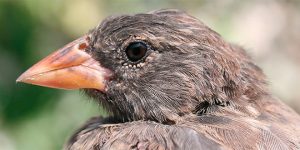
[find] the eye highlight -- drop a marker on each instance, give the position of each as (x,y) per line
(136,51)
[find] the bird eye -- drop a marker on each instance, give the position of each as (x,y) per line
(136,51)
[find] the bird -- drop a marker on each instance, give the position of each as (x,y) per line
(168,82)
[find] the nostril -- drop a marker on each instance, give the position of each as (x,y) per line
(82,46)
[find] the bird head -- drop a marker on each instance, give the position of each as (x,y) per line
(160,66)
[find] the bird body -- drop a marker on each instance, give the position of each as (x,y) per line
(169,82)
(228,129)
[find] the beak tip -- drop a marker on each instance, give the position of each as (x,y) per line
(23,77)
(20,79)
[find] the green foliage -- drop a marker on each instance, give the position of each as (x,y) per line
(17,28)
(33,117)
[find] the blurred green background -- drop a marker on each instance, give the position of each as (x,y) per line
(34,118)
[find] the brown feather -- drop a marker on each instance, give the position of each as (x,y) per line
(193,91)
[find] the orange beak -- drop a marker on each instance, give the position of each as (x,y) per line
(70,67)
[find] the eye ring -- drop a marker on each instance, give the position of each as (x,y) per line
(136,51)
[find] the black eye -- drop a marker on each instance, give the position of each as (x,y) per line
(136,51)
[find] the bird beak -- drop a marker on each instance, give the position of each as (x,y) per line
(70,67)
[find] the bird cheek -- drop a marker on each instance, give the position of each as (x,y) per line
(70,67)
